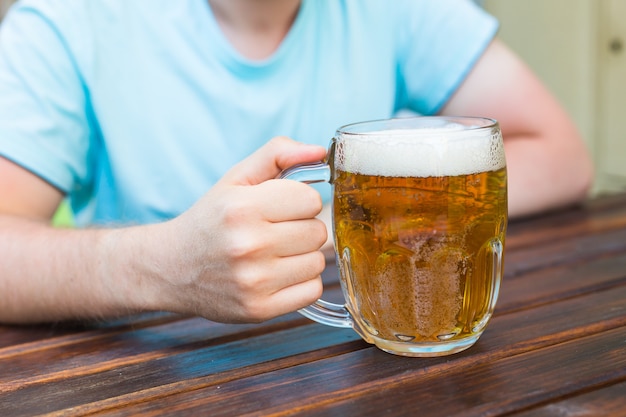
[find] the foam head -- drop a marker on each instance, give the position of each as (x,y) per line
(448,150)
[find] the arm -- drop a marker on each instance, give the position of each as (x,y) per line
(232,257)
(548,164)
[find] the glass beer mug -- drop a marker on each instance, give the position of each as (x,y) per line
(419,222)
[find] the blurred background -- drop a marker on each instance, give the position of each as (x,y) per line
(4,5)
(578,48)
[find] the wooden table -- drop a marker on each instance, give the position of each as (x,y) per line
(555,347)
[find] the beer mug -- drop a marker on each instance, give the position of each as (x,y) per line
(419,222)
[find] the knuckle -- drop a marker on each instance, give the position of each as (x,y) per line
(304,194)
(243,246)
(252,301)
(249,283)
(256,311)
(278,140)
(242,242)
(236,211)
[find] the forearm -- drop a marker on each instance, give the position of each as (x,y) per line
(53,274)
(543,175)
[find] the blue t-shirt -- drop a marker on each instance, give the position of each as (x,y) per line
(136,108)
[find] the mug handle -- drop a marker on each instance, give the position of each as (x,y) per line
(321,311)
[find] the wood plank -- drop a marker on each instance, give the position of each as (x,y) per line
(609,401)
(91,355)
(175,370)
(568,251)
(560,282)
(71,330)
(507,335)
(344,386)
(595,216)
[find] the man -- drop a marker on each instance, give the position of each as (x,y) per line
(140,112)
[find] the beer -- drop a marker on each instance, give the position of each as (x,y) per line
(419,231)
(419,219)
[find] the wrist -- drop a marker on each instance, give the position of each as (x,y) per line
(130,269)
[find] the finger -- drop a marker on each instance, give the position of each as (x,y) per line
(300,285)
(295,237)
(261,289)
(297,296)
(269,160)
(284,200)
(259,280)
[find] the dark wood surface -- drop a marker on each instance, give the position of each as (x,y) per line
(555,347)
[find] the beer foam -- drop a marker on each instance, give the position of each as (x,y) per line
(440,151)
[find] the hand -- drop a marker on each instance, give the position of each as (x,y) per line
(248,250)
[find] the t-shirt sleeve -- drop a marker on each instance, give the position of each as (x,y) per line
(44,122)
(437,47)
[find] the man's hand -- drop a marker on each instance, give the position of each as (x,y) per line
(249,250)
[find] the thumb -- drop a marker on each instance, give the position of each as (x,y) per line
(269,160)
